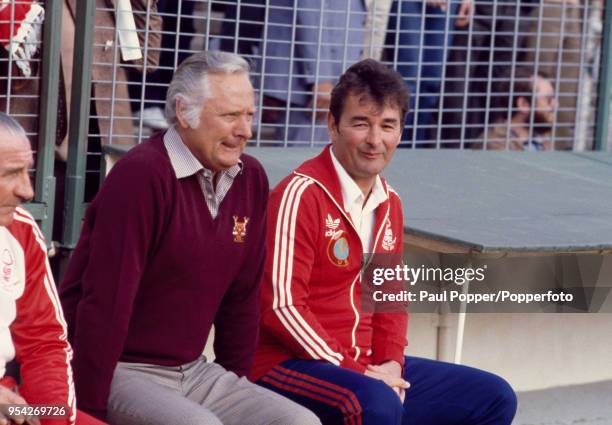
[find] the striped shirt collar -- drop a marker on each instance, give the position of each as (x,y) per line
(184,163)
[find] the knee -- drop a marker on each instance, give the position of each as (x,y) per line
(504,402)
(380,404)
(508,400)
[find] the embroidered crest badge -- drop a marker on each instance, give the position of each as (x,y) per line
(7,275)
(338,249)
(331,225)
(388,242)
(239,231)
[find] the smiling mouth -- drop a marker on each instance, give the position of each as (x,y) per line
(371,155)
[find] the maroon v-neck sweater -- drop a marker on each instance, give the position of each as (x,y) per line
(153,271)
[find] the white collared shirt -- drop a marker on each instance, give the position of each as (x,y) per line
(363,216)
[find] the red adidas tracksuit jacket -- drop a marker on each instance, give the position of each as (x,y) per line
(311,292)
(32,327)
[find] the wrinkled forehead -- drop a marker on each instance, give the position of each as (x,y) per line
(386,107)
(230,91)
(14,149)
(221,84)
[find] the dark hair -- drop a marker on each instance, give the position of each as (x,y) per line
(376,81)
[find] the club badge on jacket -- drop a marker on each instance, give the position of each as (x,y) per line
(388,242)
(338,247)
(6,273)
(239,231)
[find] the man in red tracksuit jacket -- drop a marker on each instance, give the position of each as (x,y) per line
(32,326)
(318,345)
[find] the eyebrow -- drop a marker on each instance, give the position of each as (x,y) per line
(365,118)
(237,112)
(12,169)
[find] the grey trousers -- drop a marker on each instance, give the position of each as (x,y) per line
(198,393)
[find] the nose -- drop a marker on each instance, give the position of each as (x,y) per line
(375,136)
(23,188)
(245,127)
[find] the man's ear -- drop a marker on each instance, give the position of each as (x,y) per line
(522,105)
(332,128)
(180,113)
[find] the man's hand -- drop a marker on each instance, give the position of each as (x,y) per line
(464,14)
(391,374)
(391,367)
(10,397)
(437,3)
(322,93)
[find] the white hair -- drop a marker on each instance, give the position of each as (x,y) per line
(11,125)
(190,82)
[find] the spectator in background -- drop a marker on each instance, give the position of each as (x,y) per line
(481,54)
(420,33)
(32,327)
(26,41)
(250,15)
(177,23)
(21,97)
(172,243)
(376,28)
(523,117)
(554,44)
(113,123)
(21,29)
(308,44)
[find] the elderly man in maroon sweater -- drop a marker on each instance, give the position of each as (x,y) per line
(172,244)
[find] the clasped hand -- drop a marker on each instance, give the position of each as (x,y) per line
(391,374)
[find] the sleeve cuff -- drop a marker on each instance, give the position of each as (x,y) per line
(390,352)
(349,363)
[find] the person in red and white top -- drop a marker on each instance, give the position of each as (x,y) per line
(32,326)
(320,344)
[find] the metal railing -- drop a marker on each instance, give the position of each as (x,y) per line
(32,99)
(456,74)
